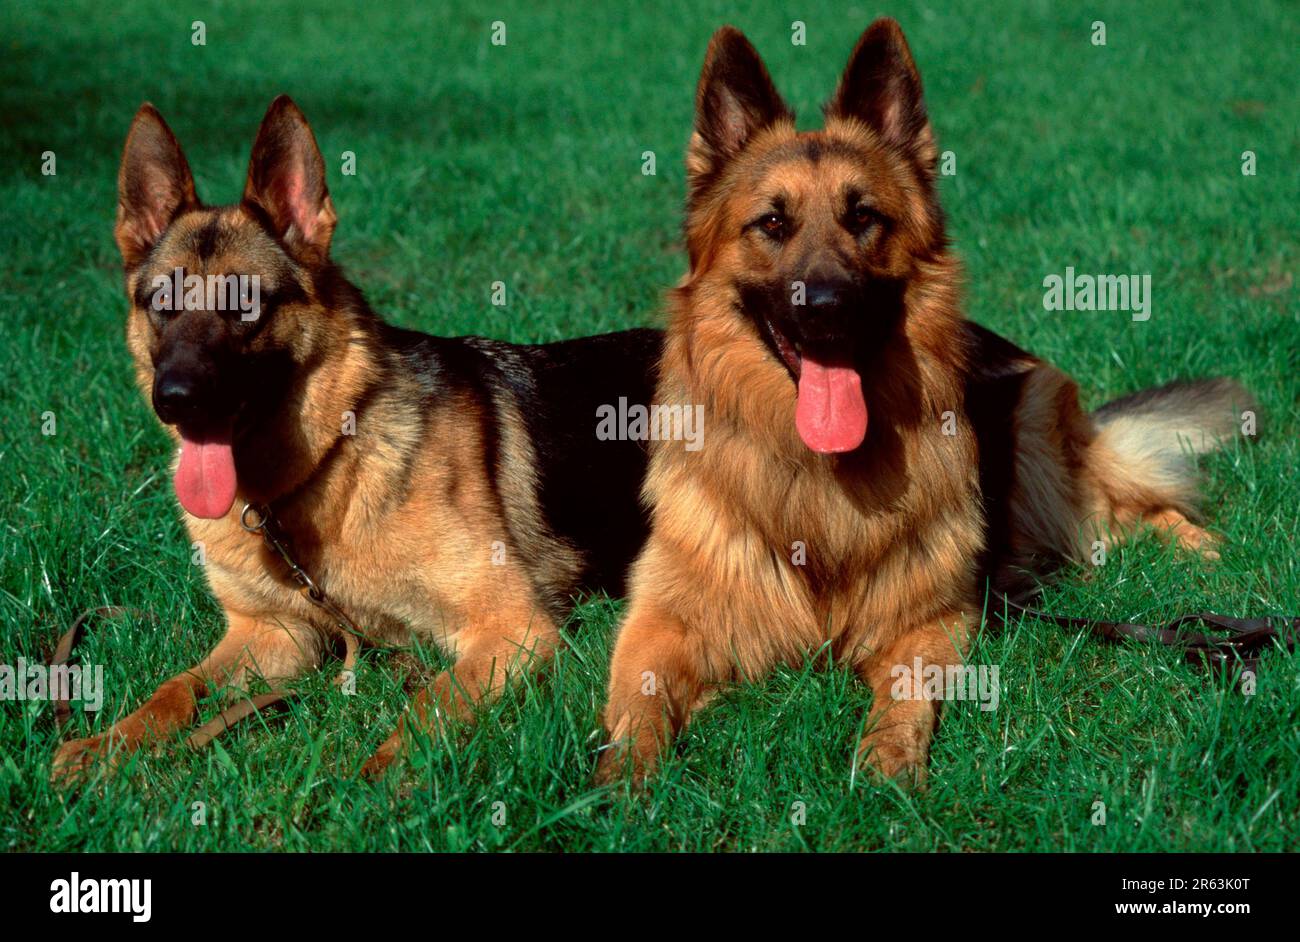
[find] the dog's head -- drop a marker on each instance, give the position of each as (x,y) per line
(815,235)
(226,302)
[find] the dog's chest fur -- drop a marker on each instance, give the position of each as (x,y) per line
(804,550)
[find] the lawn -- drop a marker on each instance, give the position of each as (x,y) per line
(523,163)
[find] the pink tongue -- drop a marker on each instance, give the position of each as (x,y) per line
(831,415)
(205,477)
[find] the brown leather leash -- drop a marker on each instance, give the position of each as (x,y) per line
(63,652)
(1245,641)
(254,519)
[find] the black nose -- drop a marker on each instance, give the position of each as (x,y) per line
(826,295)
(827,314)
(175,397)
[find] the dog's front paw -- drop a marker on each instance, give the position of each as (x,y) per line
(611,766)
(900,757)
(74,759)
(626,759)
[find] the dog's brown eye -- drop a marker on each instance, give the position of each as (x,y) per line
(863,217)
(773,224)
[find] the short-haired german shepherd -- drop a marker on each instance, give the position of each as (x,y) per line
(872,455)
(450,489)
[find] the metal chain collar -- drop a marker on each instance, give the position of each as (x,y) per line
(256,518)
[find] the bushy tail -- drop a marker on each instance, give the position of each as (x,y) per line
(1151,436)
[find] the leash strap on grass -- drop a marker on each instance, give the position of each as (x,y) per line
(214,727)
(1246,639)
(257,520)
(247,707)
(63,652)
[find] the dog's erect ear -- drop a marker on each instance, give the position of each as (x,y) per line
(734,100)
(286,179)
(154,184)
(882,88)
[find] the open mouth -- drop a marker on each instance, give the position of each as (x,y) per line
(831,413)
(205,479)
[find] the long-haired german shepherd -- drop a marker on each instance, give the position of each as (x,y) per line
(871,455)
(450,489)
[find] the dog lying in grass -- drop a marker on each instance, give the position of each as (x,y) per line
(451,490)
(872,457)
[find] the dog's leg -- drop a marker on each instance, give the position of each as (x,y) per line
(488,654)
(656,676)
(897,743)
(276,652)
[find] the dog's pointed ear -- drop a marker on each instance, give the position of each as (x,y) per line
(154,184)
(882,88)
(286,181)
(734,100)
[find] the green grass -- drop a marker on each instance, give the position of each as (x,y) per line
(522,164)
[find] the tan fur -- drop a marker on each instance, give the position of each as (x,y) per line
(1078,481)
(892,530)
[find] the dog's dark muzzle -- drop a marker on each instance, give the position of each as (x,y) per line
(187,393)
(828,316)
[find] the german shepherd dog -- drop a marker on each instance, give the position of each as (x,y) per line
(453,490)
(872,456)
